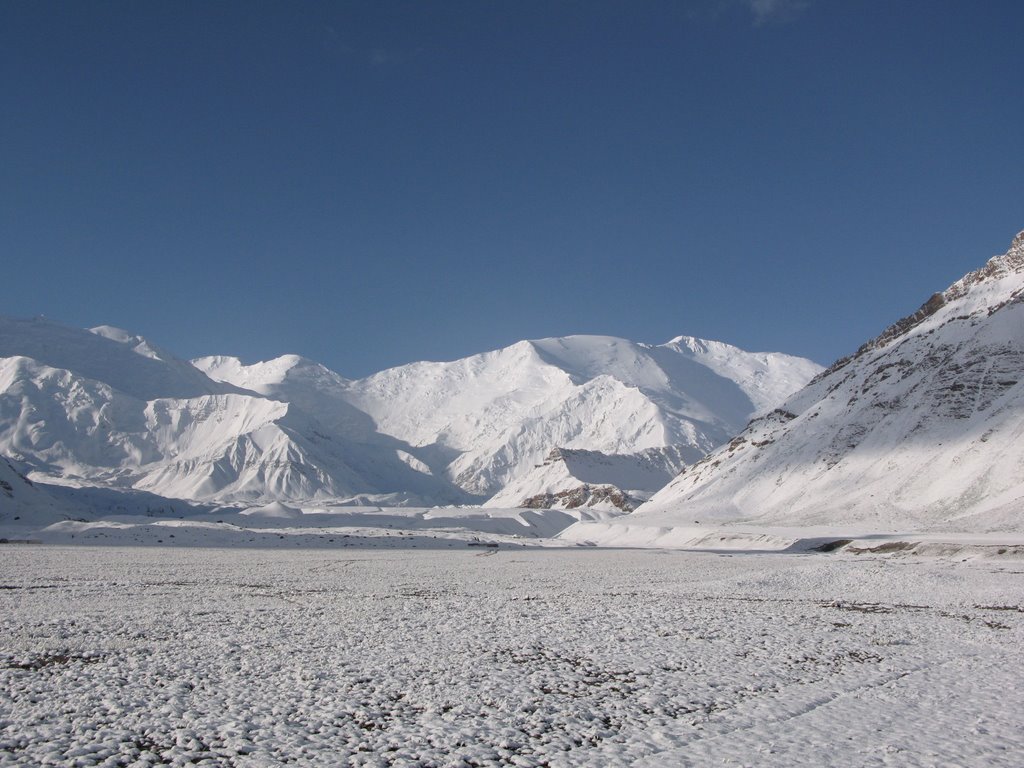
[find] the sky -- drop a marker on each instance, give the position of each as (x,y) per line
(373,183)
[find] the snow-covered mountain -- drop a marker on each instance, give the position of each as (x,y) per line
(107,408)
(486,420)
(629,415)
(921,429)
(123,362)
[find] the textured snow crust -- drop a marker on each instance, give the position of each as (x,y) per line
(921,429)
(521,657)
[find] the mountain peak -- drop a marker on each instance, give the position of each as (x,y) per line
(216,428)
(1018,242)
(285,363)
(995,269)
(697,345)
(113,333)
(138,344)
(264,376)
(121,360)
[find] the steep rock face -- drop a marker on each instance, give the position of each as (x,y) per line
(487,420)
(923,428)
(595,496)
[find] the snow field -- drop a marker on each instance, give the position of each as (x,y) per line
(277,525)
(131,656)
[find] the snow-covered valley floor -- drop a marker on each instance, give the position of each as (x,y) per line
(472,657)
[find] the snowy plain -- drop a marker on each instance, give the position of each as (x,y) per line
(507,656)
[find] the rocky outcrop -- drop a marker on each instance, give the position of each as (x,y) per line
(998,266)
(583,496)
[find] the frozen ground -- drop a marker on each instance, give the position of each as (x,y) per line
(561,657)
(278,525)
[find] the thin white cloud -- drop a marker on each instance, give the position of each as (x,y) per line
(768,11)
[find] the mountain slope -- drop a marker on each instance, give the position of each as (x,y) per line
(922,428)
(22,503)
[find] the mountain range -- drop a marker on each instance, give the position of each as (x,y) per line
(920,429)
(106,408)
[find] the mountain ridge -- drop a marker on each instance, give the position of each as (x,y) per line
(920,428)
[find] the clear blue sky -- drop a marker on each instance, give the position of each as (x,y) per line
(371,183)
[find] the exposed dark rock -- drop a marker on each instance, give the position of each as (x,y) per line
(996,267)
(583,496)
